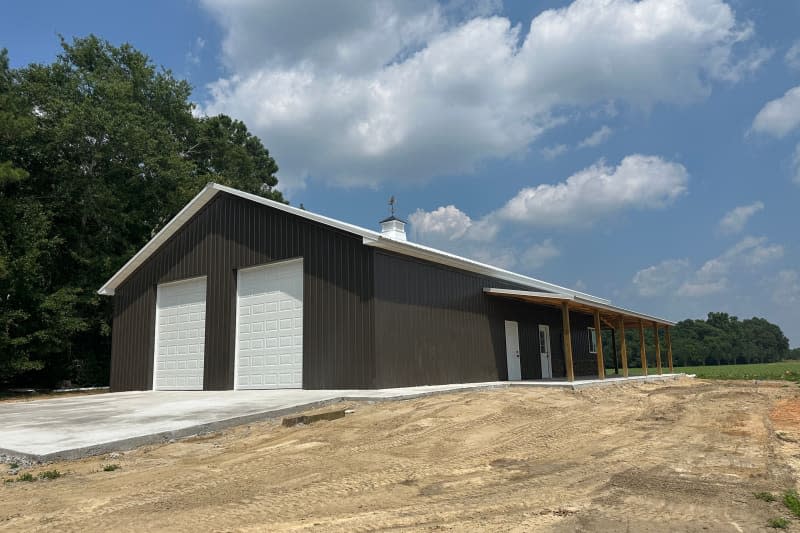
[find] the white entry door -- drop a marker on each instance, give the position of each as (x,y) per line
(269,338)
(180,335)
(512,351)
(544,351)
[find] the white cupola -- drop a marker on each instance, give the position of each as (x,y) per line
(393,228)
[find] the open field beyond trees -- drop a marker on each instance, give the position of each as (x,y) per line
(785,370)
(690,455)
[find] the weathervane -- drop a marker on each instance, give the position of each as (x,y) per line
(391,205)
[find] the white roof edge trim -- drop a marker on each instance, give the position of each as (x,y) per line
(566,297)
(446,258)
(352,228)
(160,238)
(370,238)
(512,292)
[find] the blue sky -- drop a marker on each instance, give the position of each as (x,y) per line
(648,152)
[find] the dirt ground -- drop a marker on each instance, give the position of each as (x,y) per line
(684,456)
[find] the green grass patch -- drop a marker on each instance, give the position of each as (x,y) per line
(765,496)
(27,476)
(792,501)
(778,523)
(13,466)
(786,371)
(111,468)
(50,474)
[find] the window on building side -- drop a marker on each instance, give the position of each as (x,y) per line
(592,341)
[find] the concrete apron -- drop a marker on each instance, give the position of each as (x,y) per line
(75,427)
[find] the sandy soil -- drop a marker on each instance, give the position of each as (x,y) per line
(686,456)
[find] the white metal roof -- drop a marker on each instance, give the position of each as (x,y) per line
(370,238)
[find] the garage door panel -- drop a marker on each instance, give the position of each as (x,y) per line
(270,332)
(180,335)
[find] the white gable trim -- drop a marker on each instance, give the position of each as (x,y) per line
(370,238)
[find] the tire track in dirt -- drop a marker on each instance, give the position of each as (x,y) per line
(687,455)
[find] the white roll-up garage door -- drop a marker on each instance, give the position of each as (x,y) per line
(269,339)
(180,335)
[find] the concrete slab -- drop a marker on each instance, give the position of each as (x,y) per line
(594,382)
(73,427)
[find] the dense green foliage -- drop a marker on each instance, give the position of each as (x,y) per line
(97,151)
(722,339)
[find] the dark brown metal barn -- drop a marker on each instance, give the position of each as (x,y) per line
(242,292)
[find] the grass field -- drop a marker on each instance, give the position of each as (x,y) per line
(787,370)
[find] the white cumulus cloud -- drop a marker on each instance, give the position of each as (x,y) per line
(355,93)
(552,152)
(796,164)
(786,288)
(713,277)
(780,116)
(638,182)
(540,253)
(792,56)
(597,138)
(450,223)
(735,220)
(661,278)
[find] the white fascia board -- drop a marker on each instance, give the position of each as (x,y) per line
(188,211)
(370,238)
(544,295)
(445,258)
(197,203)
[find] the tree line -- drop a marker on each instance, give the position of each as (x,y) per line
(98,150)
(720,339)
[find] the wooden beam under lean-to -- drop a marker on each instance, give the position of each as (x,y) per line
(567,341)
(601,363)
(658,346)
(614,348)
(623,347)
(642,348)
(669,349)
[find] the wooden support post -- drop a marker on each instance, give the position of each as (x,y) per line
(601,362)
(623,347)
(642,348)
(669,349)
(614,346)
(658,347)
(567,341)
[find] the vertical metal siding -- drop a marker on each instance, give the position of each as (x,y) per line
(434,324)
(232,233)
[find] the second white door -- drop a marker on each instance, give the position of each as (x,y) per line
(512,351)
(269,339)
(545,352)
